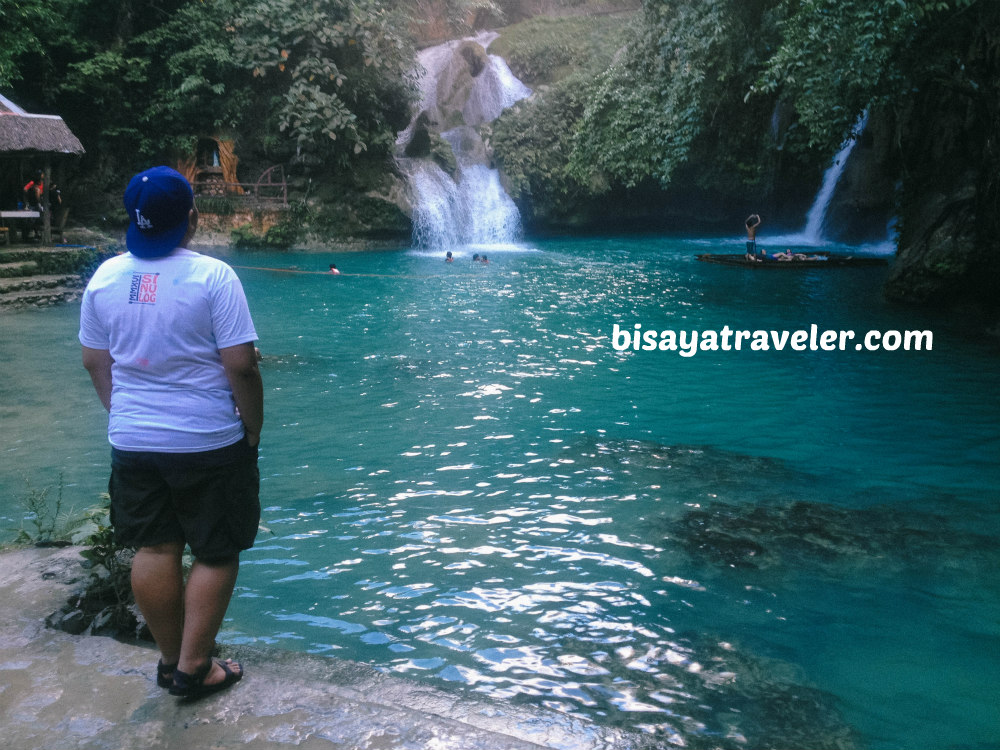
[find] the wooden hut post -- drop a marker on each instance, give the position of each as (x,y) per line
(46,204)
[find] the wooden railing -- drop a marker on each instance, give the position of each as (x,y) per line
(270,190)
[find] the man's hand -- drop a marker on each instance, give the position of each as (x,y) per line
(98,363)
(240,364)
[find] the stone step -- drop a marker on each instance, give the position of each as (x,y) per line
(40,297)
(28,250)
(17,268)
(25,283)
(45,275)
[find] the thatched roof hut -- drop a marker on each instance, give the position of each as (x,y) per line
(25,134)
(29,142)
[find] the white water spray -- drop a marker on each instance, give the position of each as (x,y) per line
(472,208)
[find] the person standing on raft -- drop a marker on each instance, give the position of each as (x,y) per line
(752,222)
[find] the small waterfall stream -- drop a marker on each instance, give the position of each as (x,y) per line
(813,232)
(461,87)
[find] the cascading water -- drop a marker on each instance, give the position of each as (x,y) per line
(813,232)
(463,87)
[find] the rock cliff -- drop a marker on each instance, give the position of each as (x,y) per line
(949,247)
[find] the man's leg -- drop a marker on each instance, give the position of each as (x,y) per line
(206,598)
(158,585)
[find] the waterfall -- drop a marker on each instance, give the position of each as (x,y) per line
(813,232)
(470,206)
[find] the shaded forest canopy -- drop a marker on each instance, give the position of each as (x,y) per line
(643,112)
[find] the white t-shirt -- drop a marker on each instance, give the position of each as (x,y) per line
(164,320)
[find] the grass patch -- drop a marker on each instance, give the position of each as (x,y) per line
(545,50)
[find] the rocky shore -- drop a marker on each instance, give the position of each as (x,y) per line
(60,691)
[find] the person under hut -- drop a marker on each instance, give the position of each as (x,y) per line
(33,192)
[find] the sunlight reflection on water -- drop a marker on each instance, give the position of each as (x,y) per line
(464,482)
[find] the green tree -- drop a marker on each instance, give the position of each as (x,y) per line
(26,29)
(335,72)
(158,77)
(197,85)
(690,60)
(840,57)
(18,19)
(533,143)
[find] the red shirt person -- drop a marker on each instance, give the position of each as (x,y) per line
(33,191)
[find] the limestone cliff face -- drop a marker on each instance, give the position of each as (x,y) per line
(949,240)
(949,143)
(939,260)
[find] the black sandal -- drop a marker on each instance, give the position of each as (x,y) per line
(165,674)
(192,686)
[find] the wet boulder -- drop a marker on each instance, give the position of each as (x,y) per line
(455,83)
(419,145)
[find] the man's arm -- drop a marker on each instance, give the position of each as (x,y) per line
(98,363)
(240,363)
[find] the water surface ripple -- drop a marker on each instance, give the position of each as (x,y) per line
(463,482)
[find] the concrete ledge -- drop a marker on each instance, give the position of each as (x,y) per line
(59,691)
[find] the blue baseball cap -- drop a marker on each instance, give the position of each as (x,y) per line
(158,202)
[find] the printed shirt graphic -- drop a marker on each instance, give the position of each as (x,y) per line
(163,320)
(142,290)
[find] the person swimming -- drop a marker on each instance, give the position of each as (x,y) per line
(448,258)
(334,270)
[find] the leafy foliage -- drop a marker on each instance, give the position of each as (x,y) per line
(278,237)
(689,61)
(157,84)
(336,72)
(325,81)
(107,604)
(19,22)
(667,105)
(840,57)
(533,143)
(44,517)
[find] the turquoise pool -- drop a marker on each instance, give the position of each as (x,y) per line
(465,483)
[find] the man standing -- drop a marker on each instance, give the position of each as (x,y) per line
(752,223)
(169,344)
